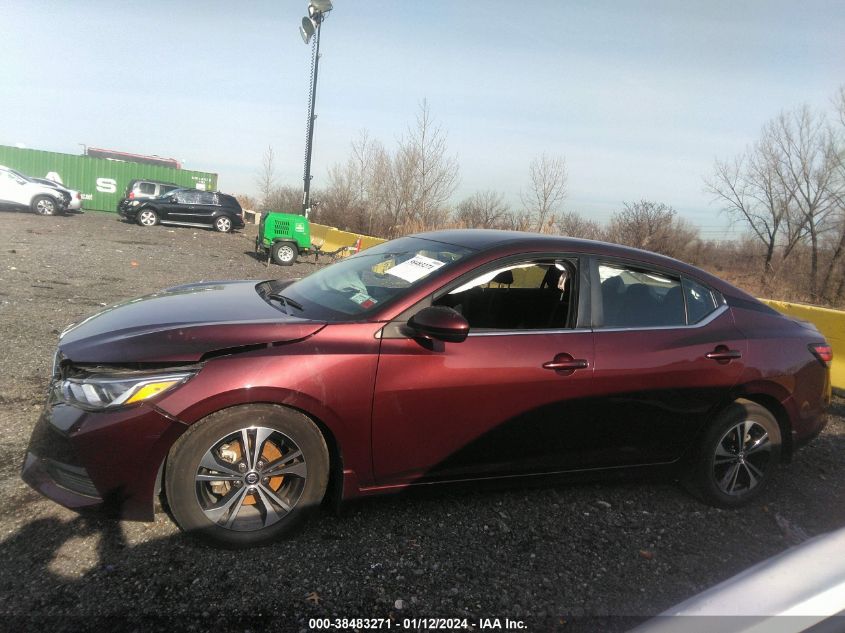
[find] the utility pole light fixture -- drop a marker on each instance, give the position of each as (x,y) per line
(317,10)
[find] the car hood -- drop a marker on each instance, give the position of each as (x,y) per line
(182,324)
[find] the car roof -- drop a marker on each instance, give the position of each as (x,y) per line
(513,241)
(155,182)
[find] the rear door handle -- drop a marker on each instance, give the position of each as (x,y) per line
(564,364)
(724,355)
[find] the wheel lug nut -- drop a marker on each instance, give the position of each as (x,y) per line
(242,467)
(265,479)
(238,484)
(260,464)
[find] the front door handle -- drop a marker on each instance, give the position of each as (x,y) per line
(724,355)
(564,364)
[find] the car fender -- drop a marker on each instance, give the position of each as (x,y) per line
(343,437)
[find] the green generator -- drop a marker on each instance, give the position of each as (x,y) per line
(283,237)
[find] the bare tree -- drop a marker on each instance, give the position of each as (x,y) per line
(807,163)
(412,186)
(838,214)
(652,226)
(283,200)
(484,209)
(435,173)
(266,179)
(750,191)
(575,225)
(246,201)
(546,191)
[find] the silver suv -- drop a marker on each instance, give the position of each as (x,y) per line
(19,191)
(138,190)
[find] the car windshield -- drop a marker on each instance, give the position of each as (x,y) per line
(19,175)
(360,284)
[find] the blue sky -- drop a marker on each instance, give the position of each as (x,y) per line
(640,97)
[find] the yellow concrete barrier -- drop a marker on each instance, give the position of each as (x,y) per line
(334,239)
(831,323)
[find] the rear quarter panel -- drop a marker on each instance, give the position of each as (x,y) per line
(781,366)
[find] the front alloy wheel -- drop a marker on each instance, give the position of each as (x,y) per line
(250,479)
(246,475)
(44,205)
(223,224)
(147,217)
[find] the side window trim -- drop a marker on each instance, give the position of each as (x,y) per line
(714,297)
(596,316)
(580,295)
(576,293)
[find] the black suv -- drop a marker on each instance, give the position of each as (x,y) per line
(188,207)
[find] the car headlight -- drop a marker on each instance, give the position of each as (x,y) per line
(98,392)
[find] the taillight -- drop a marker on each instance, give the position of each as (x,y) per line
(823,352)
(78,196)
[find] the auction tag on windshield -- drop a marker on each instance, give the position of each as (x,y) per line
(363,299)
(415,268)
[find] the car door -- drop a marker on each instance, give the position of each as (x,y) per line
(12,190)
(666,357)
(181,205)
(207,207)
(503,402)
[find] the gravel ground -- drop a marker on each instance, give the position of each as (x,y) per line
(596,556)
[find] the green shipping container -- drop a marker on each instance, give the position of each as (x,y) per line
(101,182)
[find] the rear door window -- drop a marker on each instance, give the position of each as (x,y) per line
(634,297)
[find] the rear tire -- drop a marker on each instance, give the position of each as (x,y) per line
(147,217)
(284,253)
(269,491)
(738,455)
(45,205)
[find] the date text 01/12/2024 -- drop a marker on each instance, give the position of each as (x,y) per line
(416,624)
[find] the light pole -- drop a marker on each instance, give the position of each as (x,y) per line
(317,10)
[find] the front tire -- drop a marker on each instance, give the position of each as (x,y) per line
(738,455)
(247,475)
(284,253)
(45,205)
(147,217)
(223,224)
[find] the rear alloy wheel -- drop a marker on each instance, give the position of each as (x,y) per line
(223,224)
(739,455)
(284,253)
(44,205)
(147,217)
(247,475)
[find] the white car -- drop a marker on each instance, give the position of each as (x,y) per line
(16,190)
(75,197)
(799,590)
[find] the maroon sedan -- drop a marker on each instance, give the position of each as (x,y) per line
(440,357)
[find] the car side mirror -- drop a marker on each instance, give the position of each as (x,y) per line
(439,323)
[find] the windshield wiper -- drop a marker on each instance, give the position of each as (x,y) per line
(285,301)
